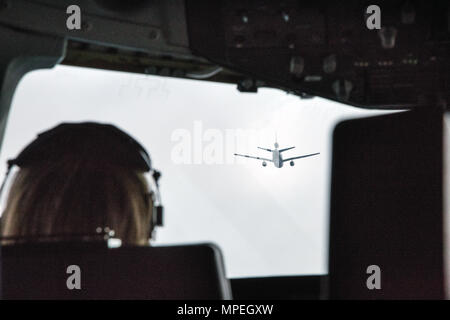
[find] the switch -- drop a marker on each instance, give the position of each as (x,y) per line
(388,36)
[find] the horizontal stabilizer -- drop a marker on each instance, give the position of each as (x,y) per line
(286,149)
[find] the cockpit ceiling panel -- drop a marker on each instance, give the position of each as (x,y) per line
(325,48)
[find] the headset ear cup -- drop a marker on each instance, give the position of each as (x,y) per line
(159,215)
(150,213)
(157,210)
(157,218)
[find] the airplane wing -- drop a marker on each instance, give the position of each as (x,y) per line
(299,157)
(265,149)
(246,156)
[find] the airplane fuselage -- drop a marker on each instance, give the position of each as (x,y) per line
(277,159)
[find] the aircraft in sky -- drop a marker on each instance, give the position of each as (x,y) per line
(277,159)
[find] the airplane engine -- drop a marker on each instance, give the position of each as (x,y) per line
(264,163)
(292,163)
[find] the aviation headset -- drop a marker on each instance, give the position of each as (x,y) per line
(114,147)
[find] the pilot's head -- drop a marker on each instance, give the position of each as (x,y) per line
(80,179)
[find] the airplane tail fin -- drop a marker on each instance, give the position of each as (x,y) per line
(265,149)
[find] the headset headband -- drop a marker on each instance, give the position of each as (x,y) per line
(108,144)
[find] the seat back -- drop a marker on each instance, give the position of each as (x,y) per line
(387,208)
(43,271)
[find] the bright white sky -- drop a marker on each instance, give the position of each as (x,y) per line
(267,221)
